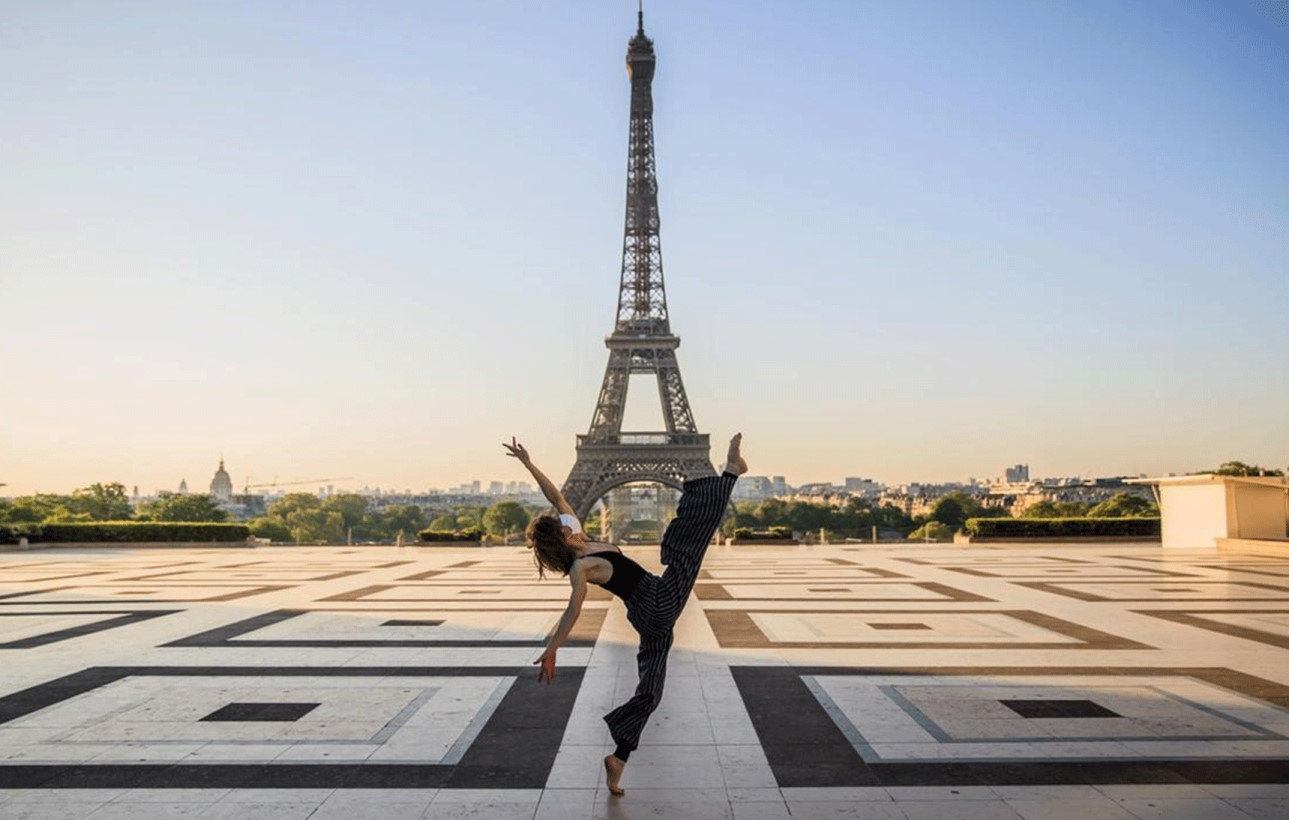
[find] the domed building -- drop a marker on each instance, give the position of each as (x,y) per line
(221,486)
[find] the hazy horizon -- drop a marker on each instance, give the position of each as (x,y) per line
(289,483)
(911,242)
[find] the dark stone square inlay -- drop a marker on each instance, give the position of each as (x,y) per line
(244,712)
(1058,709)
(898,626)
(412,622)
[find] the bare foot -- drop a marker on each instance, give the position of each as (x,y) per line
(734,462)
(613,773)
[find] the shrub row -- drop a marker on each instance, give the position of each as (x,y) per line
(1063,527)
(122,531)
(10,533)
(449,535)
(772,534)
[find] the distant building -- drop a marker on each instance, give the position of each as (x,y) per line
(638,512)
(780,486)
(863,487)
(1017,475)
(246,505)
(496,488)
(221,486)
(753,488)
(821,490)
(1019,497)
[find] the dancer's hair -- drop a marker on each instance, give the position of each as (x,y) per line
(545,536)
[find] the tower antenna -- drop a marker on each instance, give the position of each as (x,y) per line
(640,18)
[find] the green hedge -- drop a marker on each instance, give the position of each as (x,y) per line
(10,533)
(123,531)
(449,535)
(1063,527)
(772,534)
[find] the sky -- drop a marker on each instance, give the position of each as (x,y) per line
(913,241)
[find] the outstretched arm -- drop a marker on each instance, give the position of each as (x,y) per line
(548,488)
(546,662)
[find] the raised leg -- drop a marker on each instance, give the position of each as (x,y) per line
(702,505)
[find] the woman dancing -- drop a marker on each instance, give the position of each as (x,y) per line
(654,602)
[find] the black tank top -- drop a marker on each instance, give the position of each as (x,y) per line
(626,573)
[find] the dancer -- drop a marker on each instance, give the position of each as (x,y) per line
(654,602)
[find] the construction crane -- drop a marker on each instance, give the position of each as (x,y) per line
(246,488)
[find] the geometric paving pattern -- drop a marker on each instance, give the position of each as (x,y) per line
(885,681)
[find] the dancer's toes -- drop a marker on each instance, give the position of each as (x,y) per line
(613,773)
(734,462)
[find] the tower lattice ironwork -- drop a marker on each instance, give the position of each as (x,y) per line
(642,341)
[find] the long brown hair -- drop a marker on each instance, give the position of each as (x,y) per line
(545,536)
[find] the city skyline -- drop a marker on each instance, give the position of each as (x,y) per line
(490,485)
(927,240)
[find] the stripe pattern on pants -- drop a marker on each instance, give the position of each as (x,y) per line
(659,600)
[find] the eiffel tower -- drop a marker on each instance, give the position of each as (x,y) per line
(642,341)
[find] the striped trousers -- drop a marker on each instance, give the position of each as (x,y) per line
(657,602)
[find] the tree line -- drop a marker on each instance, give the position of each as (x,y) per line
(107,502)
(857,517)
(296,517)
(306,518)
(338,519)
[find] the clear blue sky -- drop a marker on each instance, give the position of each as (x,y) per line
(909,241)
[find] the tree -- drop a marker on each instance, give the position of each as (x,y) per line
(316,526)
(505,517)
(198,507)
(1042,509)
(270,528)
(35,509)
(102,502)
(1125,505)
(744,514)
(932,530)
(292,502)
(351,506)
(949,511)
(892,517)
(299,517)
(1239,468)
(1048,508)
(443,523)
(407,518)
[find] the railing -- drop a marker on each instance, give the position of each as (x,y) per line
(645,440)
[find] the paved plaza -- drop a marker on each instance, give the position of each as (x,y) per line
(933,681)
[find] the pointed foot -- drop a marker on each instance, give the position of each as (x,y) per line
(734,462)
(613,774)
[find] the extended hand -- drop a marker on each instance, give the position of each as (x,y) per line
(546,664)
(516,450)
